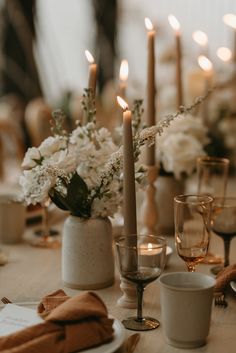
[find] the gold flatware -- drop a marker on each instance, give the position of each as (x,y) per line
(132,342)
(5,300)
(220,300)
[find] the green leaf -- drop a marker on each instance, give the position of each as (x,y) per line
(77,197)
(58,199)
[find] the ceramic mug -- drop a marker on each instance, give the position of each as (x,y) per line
(186,303)
(12,219)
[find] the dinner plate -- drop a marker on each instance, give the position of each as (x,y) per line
(118,339)
(118,336)
(233,285)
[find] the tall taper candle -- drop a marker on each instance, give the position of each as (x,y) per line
(207,67)
(230,20)
(151,89)
(179,85)
(129,199)
(92,81)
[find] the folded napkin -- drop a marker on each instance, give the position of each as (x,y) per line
(71,324)
(224,277)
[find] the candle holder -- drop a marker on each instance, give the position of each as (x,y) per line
(149,211)
(129,297)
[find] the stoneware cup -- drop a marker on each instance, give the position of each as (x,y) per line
(186,303)
(12,219)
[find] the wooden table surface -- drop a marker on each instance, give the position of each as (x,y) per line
(32,273)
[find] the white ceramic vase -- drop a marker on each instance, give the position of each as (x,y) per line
(167,187)
(87,253)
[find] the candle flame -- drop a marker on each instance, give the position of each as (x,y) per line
(89,57)
(122,103)
(124,70)
(200,38)
(149,246)
(230,20)
(224,54)
(204,63)
(174,23)
(148,24)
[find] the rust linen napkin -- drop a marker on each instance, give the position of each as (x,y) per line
(224,277)
(71,324)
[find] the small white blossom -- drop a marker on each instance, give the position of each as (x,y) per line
(31,159)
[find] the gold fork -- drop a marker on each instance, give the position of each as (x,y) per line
(220,300)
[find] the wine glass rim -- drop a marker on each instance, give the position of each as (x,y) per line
(213,160)
(186,199)
(155,246)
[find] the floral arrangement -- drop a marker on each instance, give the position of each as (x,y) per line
(180,145)
(81,171)
(68,168)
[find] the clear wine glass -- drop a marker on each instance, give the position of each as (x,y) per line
(46,240)
(141,260)
(212,175)
(224,225)
(192,215)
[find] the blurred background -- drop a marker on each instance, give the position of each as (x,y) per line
(43,66)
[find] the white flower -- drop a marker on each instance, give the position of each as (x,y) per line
(51,145)
(179,145)
(35,185)
(178,153)
(31,157)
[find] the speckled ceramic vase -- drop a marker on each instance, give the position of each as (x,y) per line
(87,253)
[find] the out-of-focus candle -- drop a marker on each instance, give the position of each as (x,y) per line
(129,195)
(206,65)
(92,72)
(176,27)
(124,72)
(224,54)
(230,20)
(151,89)
(201,39)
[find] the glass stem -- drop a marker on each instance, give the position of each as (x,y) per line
(140,289)
(226,251)
(191,267)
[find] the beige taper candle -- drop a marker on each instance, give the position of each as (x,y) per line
(179,86)
(129,198)
(92,81)
(92,77)
(151,89)
(179,82)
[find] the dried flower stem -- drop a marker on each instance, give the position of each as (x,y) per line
(148,136)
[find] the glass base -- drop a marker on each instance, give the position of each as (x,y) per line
(217,269)
(147,323)
(212,259)
(52,232)
(47,242)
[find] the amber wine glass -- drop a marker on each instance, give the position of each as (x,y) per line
(212,175)
(224,225)
(192,215)
(141,260)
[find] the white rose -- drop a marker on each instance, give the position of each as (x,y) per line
(51,145)
(31,157)
(178,153)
